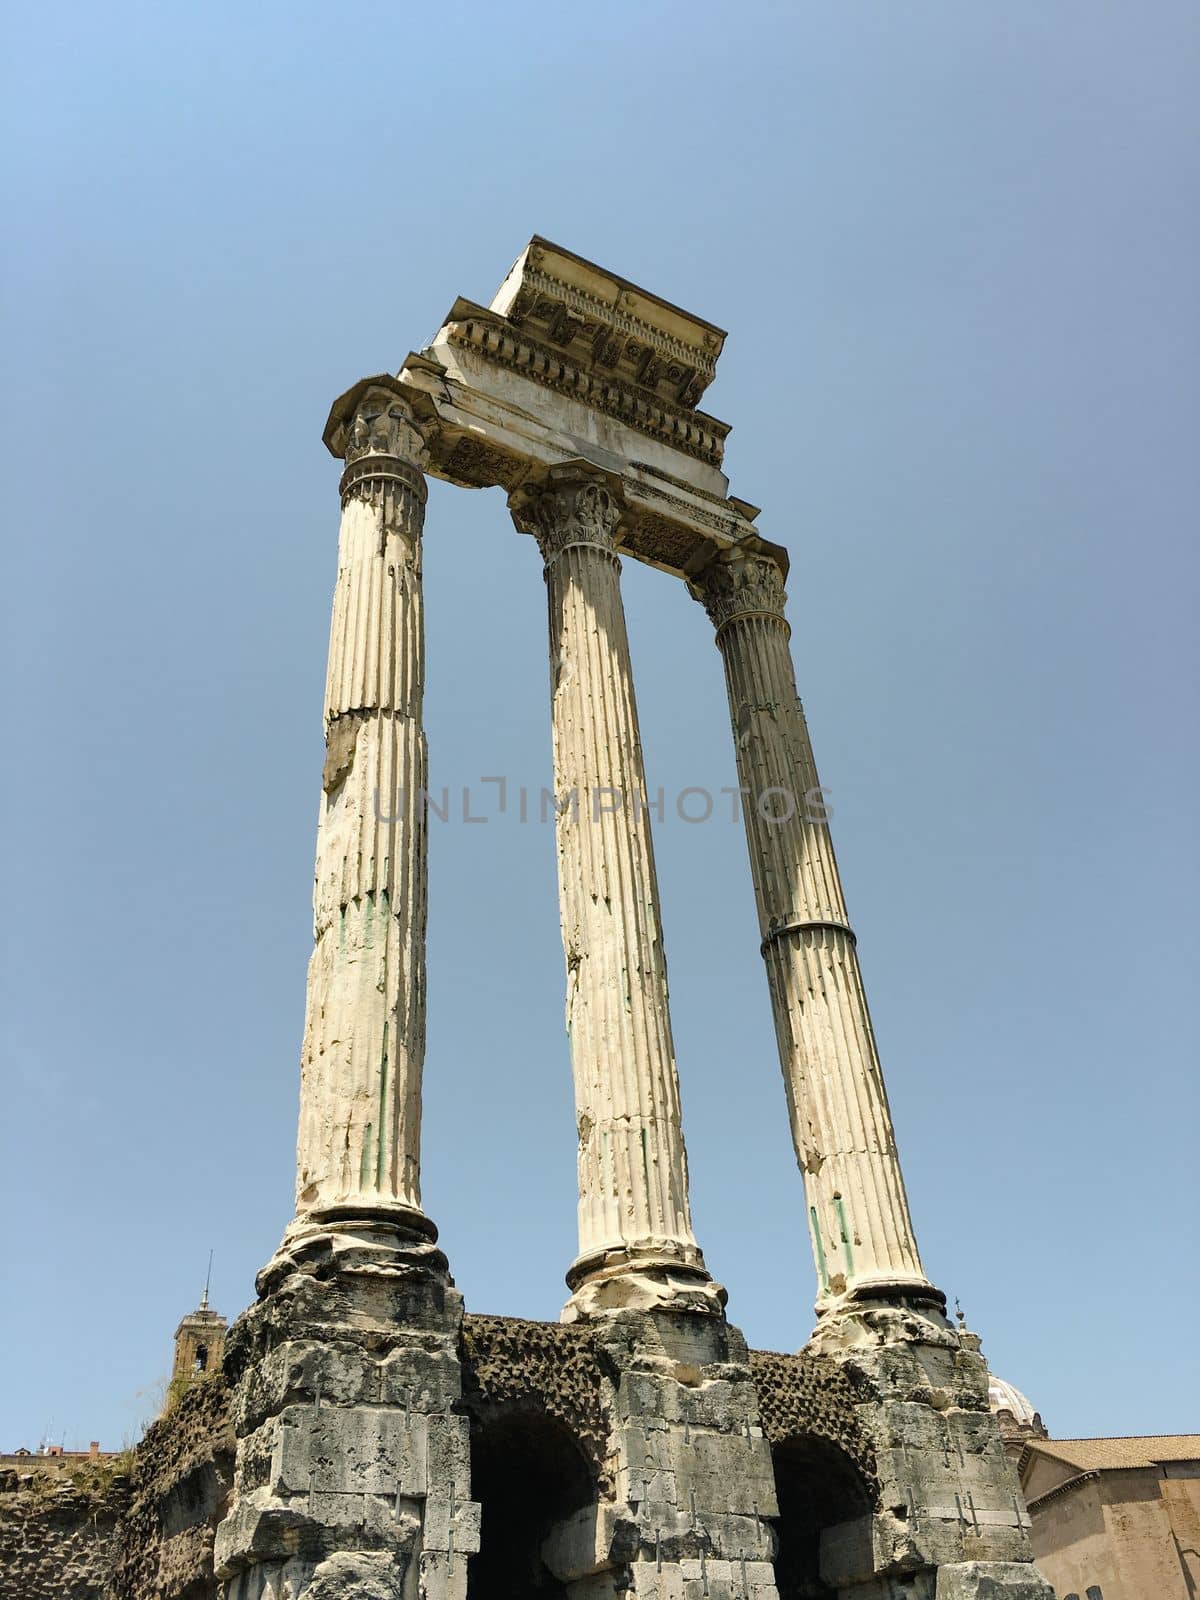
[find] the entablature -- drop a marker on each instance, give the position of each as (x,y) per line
(571,363)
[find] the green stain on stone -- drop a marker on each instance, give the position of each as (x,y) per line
(364,1165)
(822,1270)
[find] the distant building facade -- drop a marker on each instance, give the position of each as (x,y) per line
(1116,1519)
(1113,1519)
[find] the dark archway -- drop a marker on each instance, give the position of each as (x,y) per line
(819,1486)
(527,1473)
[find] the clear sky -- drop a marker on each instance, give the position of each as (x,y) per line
(955,247)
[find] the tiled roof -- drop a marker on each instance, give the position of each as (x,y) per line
(1095,1455)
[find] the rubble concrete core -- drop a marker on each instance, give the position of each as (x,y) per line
(388,1449)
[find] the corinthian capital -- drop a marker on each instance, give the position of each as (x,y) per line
(740,583)
(382,425)
(573,504)
(376,417)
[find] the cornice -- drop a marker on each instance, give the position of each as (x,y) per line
(607,322)
(498,339)
(648,350)
(1061,1489)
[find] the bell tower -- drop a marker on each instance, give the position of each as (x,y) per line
(199,1345)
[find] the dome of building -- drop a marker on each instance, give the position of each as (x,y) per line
(1017,1419)
(1003,1397)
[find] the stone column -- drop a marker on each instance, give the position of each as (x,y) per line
(358,1152)
(636,1247)
(862,1235)
(352,1473)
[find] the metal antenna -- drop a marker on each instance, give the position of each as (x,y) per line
(207,1281)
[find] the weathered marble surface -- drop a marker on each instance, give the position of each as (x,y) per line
(859,1223)
(636,1245)
(364,1037)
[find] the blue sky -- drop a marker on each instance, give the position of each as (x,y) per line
(955,247)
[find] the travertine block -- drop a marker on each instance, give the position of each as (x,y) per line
(448,1454)
(443,1576)
(991,1580)
(450,1524)
(642,1483)
(598,1537)
(422,1380)
(349,1449)
(848,1552)
(338,1372)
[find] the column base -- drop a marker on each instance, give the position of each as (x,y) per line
(914,1294)
(651,1276)
(858,1322)
(398,1239)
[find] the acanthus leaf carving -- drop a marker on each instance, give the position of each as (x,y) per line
(740,583)
(383,425)
(570,511)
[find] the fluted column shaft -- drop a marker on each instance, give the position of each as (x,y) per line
(634,1212)
(862,1234)
(364,1039)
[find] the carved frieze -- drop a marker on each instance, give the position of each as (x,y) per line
(656,539)
(478,465)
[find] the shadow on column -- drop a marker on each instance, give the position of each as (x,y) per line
(528,1474)
(824,1517)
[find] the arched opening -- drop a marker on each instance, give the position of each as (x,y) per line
(527,1473)
(201,1361)
(821,1492)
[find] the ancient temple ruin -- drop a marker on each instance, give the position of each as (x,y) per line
(390,1446)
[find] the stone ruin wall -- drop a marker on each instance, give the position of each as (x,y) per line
(135,1527)
(143,1530)
(60,1529)
(179,1489)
